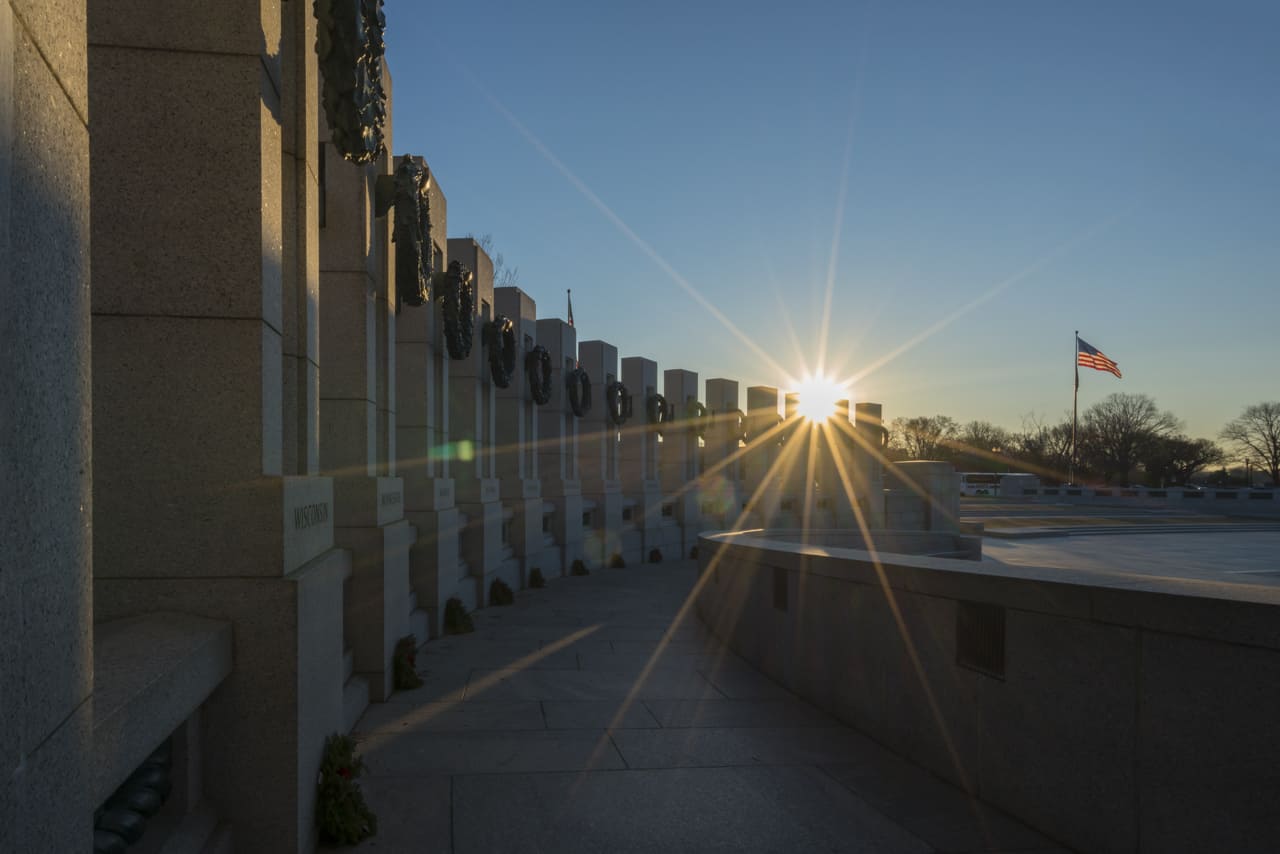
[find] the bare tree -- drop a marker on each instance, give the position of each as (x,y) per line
(923,437)
(1045,449)
(981,446)
(1174,459)
(503,276)
(1119,430)
(1255,436)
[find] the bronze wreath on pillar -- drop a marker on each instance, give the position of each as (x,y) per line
(500,336)
(349,44)
(619,401)
(407,191)
(579,386)
(458,307)
(537,365)
(740,426)
(657,411)
(696,414)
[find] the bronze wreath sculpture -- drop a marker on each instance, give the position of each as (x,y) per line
(537,366)
(411,231)
(696,414)
(350,47)
(579,386)
(500,336)
(619,402)
(739,426)
(458,308)
(657,411)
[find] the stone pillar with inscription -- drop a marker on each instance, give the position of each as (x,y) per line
(797,469)
(602,499)
(682,454)
(357,420)
(529,528)
(835,474)
(558,442)
(208,504)
(722,498)
(867,460)
(472,425)
(436,570)
(761,468)
(641,484)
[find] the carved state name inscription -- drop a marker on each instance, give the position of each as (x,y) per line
(310,514)
(390,499)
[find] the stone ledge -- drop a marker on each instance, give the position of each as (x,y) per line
(151,672)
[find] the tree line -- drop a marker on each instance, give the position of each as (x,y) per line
(1122,439)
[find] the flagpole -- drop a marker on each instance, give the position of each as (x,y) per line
(1075,401)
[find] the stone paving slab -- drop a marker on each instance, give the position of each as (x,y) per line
(685,810)
(713,747)
(788,712)
(417,753)
(452,717)
(598,714)
(581,685)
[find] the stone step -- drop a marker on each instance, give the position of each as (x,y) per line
(355,699)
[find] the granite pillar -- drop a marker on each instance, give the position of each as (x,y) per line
(517,447)
(641,483)
(760,466)
(205,491)
(558,442)
(722,498)
(602,499)
(472,426)
(682,455)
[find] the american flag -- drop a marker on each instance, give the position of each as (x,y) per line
(1088,356)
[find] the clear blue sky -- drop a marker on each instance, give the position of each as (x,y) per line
(975,179)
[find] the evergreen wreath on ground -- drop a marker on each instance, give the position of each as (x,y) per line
(456,619)
(617,562)
(655,556)
(578,568)
(535,578)
(500,593)
(405,664)
(343,816)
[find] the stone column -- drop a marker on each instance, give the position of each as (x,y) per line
(205,501)
(436,571)
(761,470)
(682,456)
(722,501)
(558,442)
(641,484)
(517,447)
(46,621)
(598,448)
(836,472)
(935,490)
(795,472)
(472,429)
(357,414)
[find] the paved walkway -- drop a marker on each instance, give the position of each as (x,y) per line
(553,727)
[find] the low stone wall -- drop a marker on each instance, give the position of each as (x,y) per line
(1230,502)
(1113,715)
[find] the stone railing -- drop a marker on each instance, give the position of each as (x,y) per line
(1114,713)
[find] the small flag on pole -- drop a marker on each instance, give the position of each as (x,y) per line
(1088,356)
(570,293)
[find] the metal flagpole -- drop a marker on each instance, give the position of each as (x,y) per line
(1075,400)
